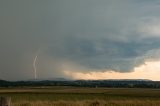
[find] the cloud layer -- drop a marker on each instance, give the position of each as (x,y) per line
(76,35)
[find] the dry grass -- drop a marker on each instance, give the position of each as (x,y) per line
(89,103)
(76,96)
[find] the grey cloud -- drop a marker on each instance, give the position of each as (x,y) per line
(95,35)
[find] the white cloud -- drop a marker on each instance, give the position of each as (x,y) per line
(150,28)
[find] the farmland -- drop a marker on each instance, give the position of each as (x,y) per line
(81,96)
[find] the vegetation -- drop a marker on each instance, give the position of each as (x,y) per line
(85,83)
(81,96)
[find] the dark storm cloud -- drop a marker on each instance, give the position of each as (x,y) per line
(87,34)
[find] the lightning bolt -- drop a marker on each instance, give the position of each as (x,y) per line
(34,66)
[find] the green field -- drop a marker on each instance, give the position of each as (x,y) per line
(74,96)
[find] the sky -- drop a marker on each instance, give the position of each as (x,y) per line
(79,39)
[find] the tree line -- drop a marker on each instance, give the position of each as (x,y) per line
(84,83)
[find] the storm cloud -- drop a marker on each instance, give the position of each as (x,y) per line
(77,35)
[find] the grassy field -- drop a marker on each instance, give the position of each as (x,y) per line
(73,96)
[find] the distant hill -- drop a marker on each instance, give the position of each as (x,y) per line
(128,80)
(50,79)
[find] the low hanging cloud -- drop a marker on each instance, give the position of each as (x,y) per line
(80,35)
(149,70)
